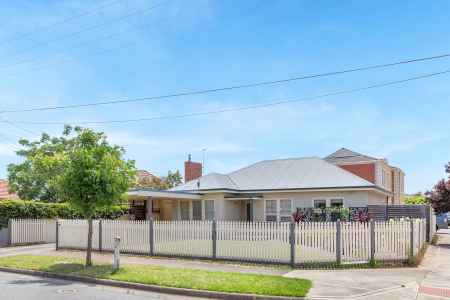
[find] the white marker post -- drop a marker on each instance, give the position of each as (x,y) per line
(116,257)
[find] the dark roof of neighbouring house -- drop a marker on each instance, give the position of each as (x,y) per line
(345,155)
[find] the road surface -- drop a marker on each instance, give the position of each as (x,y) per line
(21,287)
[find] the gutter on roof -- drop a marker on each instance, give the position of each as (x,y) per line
(321,189)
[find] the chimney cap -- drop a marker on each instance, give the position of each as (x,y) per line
(189,157)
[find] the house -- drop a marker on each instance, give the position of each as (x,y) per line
(375,170)
(271,190)
(4,191)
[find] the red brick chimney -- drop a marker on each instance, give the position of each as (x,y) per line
(192,170)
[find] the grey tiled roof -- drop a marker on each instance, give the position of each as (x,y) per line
(344,155)
(295,173)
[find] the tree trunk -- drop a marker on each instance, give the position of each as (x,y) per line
(89,244)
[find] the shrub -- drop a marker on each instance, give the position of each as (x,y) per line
(18,209)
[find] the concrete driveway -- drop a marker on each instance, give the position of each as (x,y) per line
(429,281)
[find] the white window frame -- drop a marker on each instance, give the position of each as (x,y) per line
(272,214)
(213,210)
(279,215)
(328,201)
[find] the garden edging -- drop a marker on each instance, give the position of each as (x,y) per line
(149,287)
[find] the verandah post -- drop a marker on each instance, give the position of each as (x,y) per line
(372,240)
(292,242)
(214,239)
(151,237)
(338,242)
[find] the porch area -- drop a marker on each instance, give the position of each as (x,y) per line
(166,206)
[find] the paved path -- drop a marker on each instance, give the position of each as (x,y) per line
(21,287)
(430,281)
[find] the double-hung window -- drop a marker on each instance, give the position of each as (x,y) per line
(336,202)
(271,210)
(285,210)
(209,209)
(320,203)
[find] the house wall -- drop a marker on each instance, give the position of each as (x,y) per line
(235,210)
(365,170)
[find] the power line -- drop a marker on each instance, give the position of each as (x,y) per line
(234,87)
(18,127)
(123,17)
(249,107)
(60,22)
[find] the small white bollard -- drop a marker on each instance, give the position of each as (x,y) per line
(116,256)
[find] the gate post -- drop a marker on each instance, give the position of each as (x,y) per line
(151,237)
(292,242)
(214,239)
(338,242)
(372,240)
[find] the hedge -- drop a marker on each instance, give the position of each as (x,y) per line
(18,209)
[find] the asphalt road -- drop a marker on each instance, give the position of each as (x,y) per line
(21,287)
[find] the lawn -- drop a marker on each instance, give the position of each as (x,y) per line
(170,277)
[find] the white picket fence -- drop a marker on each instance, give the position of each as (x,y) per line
(315,242)
(30,231)
(312,242)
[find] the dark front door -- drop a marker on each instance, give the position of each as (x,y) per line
(249,212)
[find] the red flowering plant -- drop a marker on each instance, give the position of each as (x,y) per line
(299,216)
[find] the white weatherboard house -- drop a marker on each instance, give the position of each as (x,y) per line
(269,190)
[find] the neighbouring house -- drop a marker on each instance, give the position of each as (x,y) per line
(4,191)
(272,190)
(375,170)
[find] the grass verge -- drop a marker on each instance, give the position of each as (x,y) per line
(169,277)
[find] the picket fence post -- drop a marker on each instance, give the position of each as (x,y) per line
(411,236)
(292,242)
(10,232)
(214,239)
(151,237)
(338,242)
(57,235)
(372,240)
(100,236)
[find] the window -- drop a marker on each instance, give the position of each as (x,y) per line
(320,203)
(285,210)
(336,203)
(271,210)
(184,210)
(209,209)
(196,210)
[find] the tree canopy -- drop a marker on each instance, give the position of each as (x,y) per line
(94,175)
(33,179)
(416,199)
(439,196)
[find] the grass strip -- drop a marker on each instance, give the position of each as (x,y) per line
(229,282)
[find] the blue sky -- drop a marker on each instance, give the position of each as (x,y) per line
(113,53)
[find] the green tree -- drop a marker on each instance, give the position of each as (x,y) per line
(32,179)
(416,199)
(94,176)
(173,179)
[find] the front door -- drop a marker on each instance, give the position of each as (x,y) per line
(249,212)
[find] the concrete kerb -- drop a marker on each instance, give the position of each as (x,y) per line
(148,287)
